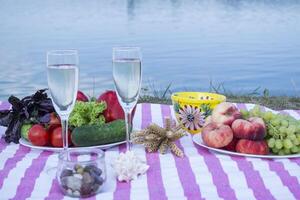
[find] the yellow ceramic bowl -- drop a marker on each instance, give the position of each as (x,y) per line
(192,108)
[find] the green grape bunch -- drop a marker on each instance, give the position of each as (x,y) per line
(283,131)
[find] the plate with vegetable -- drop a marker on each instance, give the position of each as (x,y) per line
(56,149)
(33,122)
(253,133)
(86,136)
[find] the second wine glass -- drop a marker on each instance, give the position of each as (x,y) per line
(127,75)
(62,71)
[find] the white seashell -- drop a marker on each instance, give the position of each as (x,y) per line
(128,166)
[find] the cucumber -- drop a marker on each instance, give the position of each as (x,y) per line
(91,135)
(25,130)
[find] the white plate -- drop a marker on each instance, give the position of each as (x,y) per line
(198,140)
(56,149)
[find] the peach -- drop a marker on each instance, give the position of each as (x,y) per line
(252,129)
(252,147)
(217,136)
(259,127)
(207,120)
(231,146)
(225,113)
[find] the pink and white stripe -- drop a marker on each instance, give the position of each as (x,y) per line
(201,174)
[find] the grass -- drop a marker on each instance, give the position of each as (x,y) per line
(152,95)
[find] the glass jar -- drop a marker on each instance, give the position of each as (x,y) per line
(81,173)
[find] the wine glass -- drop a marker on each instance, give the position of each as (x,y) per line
(62,71)
(127,75)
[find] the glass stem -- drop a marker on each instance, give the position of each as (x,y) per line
(64,125)
(128,123)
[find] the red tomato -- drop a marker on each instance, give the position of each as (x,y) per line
(51,128)
(38,135)
(56,137)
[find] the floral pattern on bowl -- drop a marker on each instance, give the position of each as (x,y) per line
(192,108)
(191,117)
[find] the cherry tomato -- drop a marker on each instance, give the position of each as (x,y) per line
(56,137)
(38,135)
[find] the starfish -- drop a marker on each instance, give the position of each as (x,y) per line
(155,138)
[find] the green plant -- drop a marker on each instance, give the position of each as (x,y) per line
(153,95)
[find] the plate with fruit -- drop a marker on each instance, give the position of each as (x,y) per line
(253,133)
(32,122)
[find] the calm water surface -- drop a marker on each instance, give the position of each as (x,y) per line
(242,44)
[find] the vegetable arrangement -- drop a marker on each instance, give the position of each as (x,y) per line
(33,118)
(31,109)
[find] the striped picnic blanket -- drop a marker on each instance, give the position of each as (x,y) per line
(201,174)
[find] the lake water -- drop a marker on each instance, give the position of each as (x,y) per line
(242,44)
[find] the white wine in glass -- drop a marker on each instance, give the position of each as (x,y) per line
(62,71)
(127,75)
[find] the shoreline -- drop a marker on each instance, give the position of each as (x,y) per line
(273,102)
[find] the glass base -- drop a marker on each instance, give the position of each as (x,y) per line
(51,171)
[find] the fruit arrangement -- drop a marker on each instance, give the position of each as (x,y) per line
(283,131)
(251,132)
(96,122)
